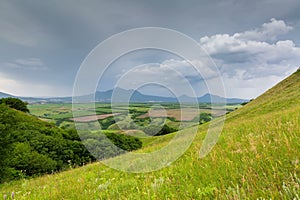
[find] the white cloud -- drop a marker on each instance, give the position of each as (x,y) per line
(26,88)
(248,88)
(180,76)
(191,68)
(257,52)
(268,32)
(26,64)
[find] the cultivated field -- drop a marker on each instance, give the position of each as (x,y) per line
(185,114)
(132,117)
(92,118)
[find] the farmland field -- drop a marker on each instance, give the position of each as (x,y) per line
(90,118)
(171,113)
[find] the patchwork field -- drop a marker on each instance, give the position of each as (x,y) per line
(185,114)
(115,117)
(178,114)
(92,118)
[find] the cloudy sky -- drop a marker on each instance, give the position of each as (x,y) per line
(254,44)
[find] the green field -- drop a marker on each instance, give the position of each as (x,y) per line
(256,157)
(61,114)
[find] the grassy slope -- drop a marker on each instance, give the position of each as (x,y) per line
(256,156)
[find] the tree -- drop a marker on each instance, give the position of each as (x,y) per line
(6,119)
(29,146)
(15,103)
(157,130)
(166,130)
(30,162)
(205,117)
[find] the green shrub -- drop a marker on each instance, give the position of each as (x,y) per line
(157,130)
(125,142)
(29,146)
(28,161)
(108,144)
(105,123)
(203,118)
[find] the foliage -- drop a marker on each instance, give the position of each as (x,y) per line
(125,142)
(157,130)
(123,123)
(105,123)
(203,118)
(108,144)
(24,158)
(29,146)
(5,136)
(15,103)
(244,103)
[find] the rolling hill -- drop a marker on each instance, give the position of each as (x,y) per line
(256,157)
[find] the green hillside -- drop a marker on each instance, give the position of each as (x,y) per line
(256,157)
(29,146)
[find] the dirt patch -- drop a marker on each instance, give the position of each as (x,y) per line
(179,114)
(93,117)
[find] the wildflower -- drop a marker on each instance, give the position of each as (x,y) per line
(104,186)
(157,183)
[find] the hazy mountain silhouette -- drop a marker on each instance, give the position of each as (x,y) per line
(123,95)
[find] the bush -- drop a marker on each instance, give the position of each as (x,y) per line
(203,118)
(30,162)
(125,142)
(106,145)
(105,123)
(29,146)
(156,130)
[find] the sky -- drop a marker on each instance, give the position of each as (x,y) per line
(253,44)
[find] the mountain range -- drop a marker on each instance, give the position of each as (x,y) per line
(121,95)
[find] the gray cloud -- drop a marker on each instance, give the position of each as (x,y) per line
(59,34)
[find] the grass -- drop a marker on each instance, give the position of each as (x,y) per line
(250,161)
(256,157)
